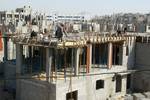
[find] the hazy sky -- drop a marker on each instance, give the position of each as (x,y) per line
(91,7)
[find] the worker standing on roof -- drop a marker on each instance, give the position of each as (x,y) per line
(60,31)
(1,44)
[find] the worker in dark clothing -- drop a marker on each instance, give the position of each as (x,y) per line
(59,32)
(125,30)
(33,34)
(118,32)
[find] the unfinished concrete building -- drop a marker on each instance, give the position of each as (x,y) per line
(84,67)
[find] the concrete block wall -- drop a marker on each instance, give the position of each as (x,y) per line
(142,55)
(141,80)
(86,87)
(36,90)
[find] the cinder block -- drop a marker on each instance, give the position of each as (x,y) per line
(128,97)
(145,99)
(147,94)
(138,96)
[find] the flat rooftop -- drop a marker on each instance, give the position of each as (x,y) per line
(72,40)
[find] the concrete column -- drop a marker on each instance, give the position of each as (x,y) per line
(56,62)
(48,64)
(131,56)
(110,51)
(89,58)
(77,53)
(72,60)
(124,58)
(19,57)
(5,49)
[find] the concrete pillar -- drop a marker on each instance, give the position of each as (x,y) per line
(19,57)
(77,53)
(110,51)
(48,64)
(56,64)
(72,59)
(5,49)
(124,57)
(89,58)
(131,56)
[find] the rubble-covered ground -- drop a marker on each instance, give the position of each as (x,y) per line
(138,96)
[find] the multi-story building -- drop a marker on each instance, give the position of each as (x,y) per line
(66,18)
(78,68)
(14,16)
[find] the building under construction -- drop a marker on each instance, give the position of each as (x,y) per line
(80,67)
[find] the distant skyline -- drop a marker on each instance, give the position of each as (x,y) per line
(87,7)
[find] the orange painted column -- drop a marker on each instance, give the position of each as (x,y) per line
(1,44)
(110,51)
(88,58)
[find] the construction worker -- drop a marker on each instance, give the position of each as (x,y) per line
(33,34)
(125,30)
(59,31)
(1,44)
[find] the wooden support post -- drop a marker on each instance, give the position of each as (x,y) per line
(48,64)
(88,58)
(110,51)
